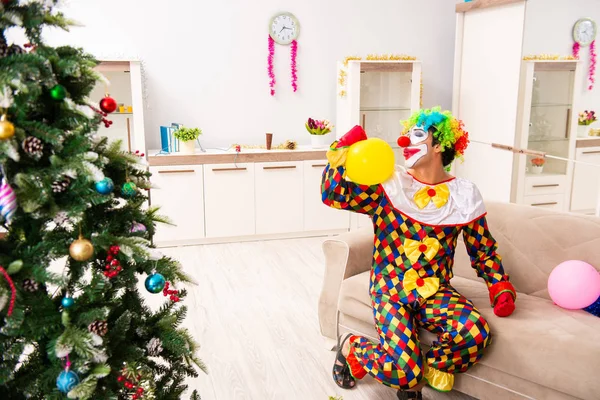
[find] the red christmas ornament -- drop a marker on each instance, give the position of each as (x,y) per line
(113,265)
(108,104)
(170,293)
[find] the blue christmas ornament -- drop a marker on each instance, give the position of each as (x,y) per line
(105,186)
(67,302)
(155,283)
(66,381)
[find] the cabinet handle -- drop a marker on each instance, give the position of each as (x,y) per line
(319,165)
(545,204)
(281,167)
(228,169)
(548,185)
(591,152)
(176,171)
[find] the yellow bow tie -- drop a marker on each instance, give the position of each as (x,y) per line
(413,249)
(439,195)
(426,287)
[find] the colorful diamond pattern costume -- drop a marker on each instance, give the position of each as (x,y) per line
(416,228)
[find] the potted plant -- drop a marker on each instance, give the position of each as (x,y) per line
(319,132)
(585,119)
(187,137)
(537,165)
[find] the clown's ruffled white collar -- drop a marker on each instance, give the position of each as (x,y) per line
(464,203)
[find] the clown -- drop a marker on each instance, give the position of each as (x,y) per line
(418,215)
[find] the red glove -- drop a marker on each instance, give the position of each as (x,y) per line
(354,135)
(505,305)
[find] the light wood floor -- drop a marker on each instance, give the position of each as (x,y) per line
(254,312)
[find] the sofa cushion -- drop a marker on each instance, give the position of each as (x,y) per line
(540,342)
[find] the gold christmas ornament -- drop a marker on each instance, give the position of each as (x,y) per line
(81,249)
(7,129)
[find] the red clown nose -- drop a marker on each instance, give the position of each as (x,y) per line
(403,141)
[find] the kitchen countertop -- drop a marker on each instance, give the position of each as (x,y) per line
(226,156)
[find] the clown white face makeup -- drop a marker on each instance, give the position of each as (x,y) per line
(417,149)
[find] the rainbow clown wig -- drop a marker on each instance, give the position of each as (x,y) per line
(447,130)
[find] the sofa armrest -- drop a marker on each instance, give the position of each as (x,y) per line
(345,256)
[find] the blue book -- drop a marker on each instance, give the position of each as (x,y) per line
(165,142)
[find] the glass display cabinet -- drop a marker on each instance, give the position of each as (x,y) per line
(125,87)
(378,95)
(547,122)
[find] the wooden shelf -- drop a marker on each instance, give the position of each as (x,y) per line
(384,109)
(551,105)
(479,4)
(227,157)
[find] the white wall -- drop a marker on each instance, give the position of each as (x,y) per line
(549,29)
(206,61)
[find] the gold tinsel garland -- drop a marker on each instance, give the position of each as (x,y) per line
(287,145)
(548,57)
(343,74)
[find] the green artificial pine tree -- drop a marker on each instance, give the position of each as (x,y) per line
(78,238)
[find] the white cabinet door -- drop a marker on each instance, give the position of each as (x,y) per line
(229,200)
(178,193)
(279,197)
(586,180)
(318,216)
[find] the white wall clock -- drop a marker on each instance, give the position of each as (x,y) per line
(284,28)
(584,31)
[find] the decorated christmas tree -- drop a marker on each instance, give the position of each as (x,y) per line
(77,238)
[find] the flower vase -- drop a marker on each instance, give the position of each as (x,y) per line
(583,130)
(320,141)
(536,169)
(188,147)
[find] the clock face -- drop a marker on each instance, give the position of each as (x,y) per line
(584,31)
(284,28)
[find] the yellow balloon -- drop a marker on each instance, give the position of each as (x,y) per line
(370,162)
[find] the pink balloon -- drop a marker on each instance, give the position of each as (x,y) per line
(574,284)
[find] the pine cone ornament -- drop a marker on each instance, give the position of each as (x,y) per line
(14,49)
(154,347)
(100,328)
(33,146)
(29,285)
(61,184)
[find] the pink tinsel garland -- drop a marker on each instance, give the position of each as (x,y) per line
(270,68)
(13,291)
(294,53)
(592,71)
(576,48)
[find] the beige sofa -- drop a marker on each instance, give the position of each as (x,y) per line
(541,351)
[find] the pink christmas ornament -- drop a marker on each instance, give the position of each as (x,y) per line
(137,227)
(574,284)
(8,201)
